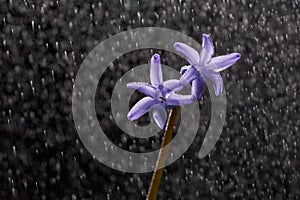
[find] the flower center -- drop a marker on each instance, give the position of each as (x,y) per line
(184,69)
(161,99)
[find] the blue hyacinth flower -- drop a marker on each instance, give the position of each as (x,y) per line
(206,66)
(160,94)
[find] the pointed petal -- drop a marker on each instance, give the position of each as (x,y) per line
(207,50)
(216,79)
(198,87)
(188,76)
(223,62)
(188,52)
(159,115)
(155,70)
(177,99)
(140,108)
(172,85)
(145,88)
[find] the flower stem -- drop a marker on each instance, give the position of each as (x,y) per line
(163,154)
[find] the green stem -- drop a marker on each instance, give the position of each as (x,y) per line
(163,154)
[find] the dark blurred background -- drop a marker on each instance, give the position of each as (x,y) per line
(43,44)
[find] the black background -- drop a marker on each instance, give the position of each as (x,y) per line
(43,44)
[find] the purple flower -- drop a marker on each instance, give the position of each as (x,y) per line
(160,95)
(207,66)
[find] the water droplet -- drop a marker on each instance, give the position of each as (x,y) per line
(43,81)
(4,42)
(11,4)
(32,25)
(66,55)
(14,151)
(14,192)
(74,197)
(52,74)
(4,21)
(25,184)
(56,45)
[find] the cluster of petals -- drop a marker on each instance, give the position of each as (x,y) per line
(161,95)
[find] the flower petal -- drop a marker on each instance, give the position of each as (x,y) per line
(177,99)
(155,70)
(143,87)
(207,50)
(140,108)
(223,62)
(189,75)
(159,115)
(198,87)
(172,85)
(216,79)
(188,52)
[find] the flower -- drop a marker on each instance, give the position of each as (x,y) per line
(207,66)
(160,95)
